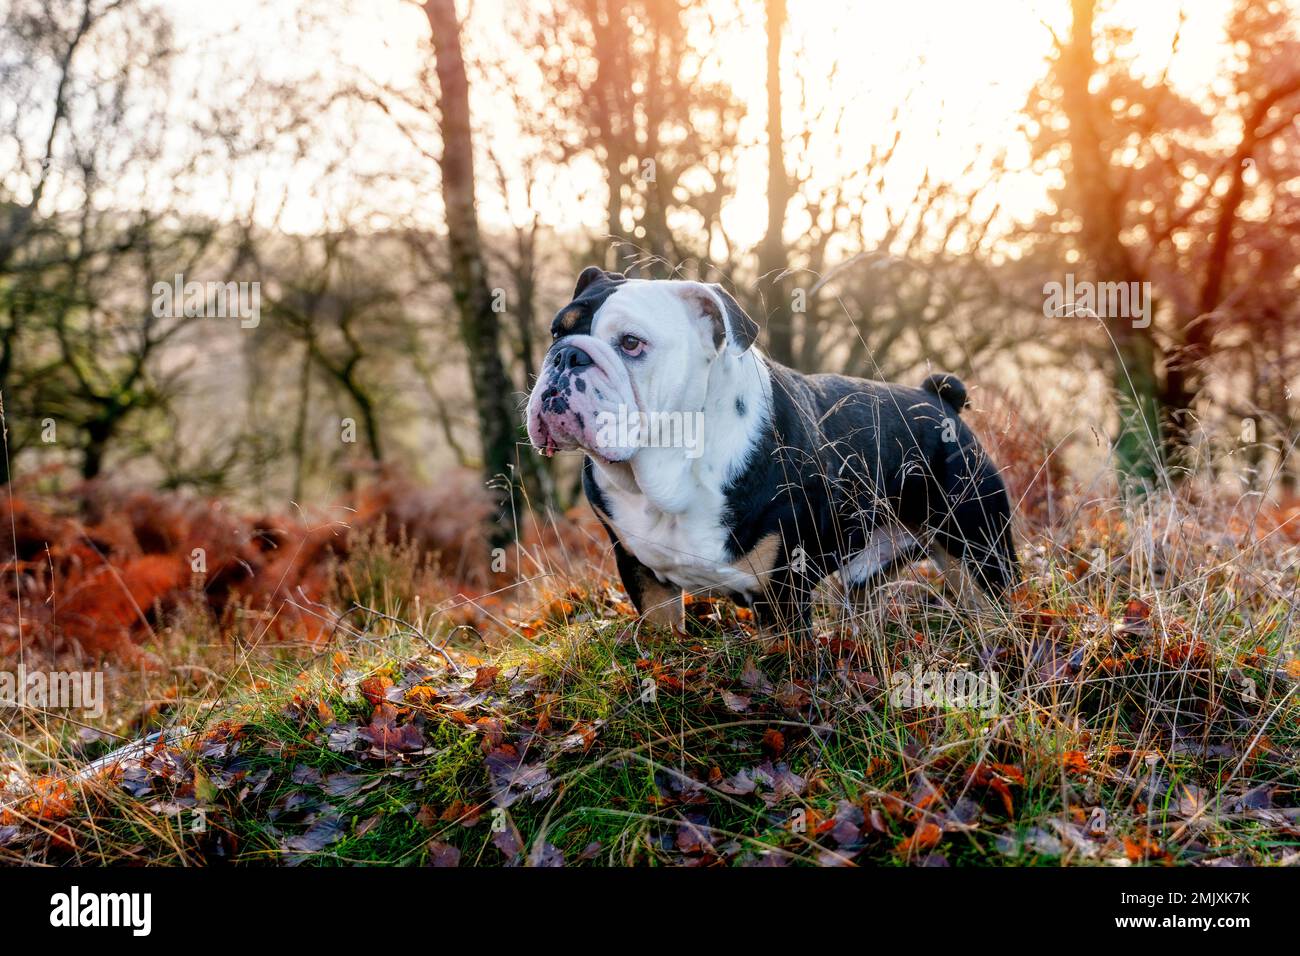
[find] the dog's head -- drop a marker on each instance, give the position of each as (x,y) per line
(625,349)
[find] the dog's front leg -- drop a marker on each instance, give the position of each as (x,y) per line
(657,603)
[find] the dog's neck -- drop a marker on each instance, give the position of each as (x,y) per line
(737,409)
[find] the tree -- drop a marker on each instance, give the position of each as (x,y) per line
(1099,209)
(626,83)
(772,253)
(74,282)
(94,212)
(1186,192)
(479,322)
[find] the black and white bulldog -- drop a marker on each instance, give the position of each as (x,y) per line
(717,470)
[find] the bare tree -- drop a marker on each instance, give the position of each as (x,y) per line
(772,253)
(479,322)
(1153,197)
(664,134)
(1099,209)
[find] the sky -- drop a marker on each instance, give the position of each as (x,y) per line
(963,66)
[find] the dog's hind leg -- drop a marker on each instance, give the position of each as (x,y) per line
(972,521)
(888,548)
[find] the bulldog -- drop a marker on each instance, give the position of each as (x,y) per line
(716,470)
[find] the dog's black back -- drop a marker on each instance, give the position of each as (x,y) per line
(845,456)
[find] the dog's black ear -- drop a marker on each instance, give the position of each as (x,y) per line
(595,285)
(732,322)
(588,276)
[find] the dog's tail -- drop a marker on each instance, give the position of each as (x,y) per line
(948,388)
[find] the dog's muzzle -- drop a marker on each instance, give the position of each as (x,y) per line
(581,388)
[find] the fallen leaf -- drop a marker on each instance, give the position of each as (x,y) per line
(926,836)
(305,776)
(545,855)
(694,834)
(326,829)
(375,689)
(773,743)
(513,779)
(386,739)
(507,841)
(736,703)
(344,784)
(755,679)
(443,854)
(793,699)
(847,829)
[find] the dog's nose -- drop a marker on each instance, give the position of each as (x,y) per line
(569,357)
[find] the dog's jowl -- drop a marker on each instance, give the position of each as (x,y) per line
(716,470)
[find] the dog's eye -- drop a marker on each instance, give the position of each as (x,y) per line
(631,344)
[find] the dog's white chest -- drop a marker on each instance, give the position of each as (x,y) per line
(688,549)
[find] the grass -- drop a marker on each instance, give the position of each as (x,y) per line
(1146,714)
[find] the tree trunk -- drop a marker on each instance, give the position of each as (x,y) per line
(1138,445)
(6,367)
(347,377)
(610,121)
(479,324)
(98,433)
(772,261)
(5,451)
(300,425)
(534,471)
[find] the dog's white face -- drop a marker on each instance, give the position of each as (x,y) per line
(629,349)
